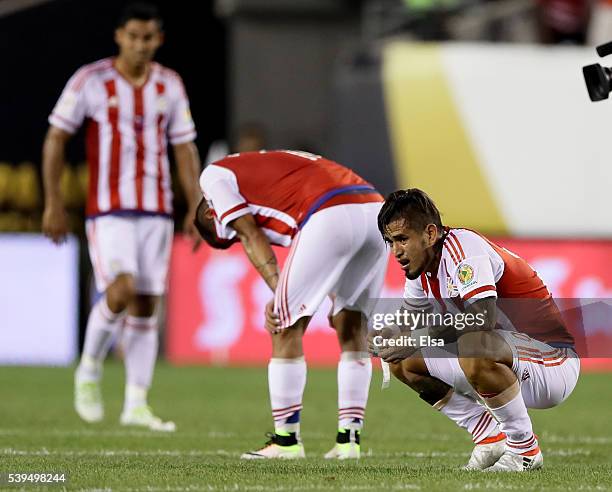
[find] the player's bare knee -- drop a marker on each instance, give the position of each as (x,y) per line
(350,330)
(143,306)
(350,336)
(475,367)
(121,293)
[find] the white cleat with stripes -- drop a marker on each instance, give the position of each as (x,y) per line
(512,462)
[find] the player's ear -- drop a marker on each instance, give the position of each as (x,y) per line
(117,37)
(431,234)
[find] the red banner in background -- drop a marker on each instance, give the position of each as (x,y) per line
(216,299)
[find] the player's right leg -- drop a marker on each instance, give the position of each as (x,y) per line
(286,381)
(432,373)
(114,261)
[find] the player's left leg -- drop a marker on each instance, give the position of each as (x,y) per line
(141,336)
(354,296)
(354,375)
(487,360)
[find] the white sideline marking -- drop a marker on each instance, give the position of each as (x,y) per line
(223,452)
(110,433)
(274,488)
(114,452)
(499,485)
(572,439)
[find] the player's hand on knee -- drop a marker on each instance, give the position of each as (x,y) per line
(273,324)
(376,340)
(394,352)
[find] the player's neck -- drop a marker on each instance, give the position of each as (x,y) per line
(434,264)
(136,75)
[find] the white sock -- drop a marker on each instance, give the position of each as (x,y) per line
(509,409)
(102,327)
(135,396)
(469,415)
(140,344)
(354,375)
(286,380)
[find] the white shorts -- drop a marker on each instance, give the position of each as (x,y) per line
(339,253)
(547,375)
(137,245)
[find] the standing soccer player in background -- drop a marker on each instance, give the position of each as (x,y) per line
(134,106)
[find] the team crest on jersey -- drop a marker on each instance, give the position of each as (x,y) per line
(465,273)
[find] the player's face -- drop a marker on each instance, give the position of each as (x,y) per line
(412,249)
(205,224)
(138,40)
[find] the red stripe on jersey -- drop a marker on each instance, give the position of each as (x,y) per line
(92,146)
(536,351)
(424,284)
(449,242)
(556,356)
(139,133)
(454,258)
(115,155)
(484,288)
(434,283)
(456,240)
(161,205)
(233,209)
(273,224)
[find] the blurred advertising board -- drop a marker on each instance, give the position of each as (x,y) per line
(38,300)
(216,300)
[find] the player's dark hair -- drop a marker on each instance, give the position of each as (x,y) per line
(140,11)
(412,204)
(206,228)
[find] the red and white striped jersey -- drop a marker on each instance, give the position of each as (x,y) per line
(472,267)
(127,134)
(280,188)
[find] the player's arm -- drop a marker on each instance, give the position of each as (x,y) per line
(55,220)
(257,248)
(188,166)
(485,314)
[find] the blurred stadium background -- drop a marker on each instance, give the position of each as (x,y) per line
(479,102)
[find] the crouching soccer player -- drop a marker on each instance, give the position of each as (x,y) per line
(493,374)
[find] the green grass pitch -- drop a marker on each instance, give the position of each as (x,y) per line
(223,412)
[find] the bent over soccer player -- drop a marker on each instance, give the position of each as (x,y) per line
(487,385)
(327,214)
